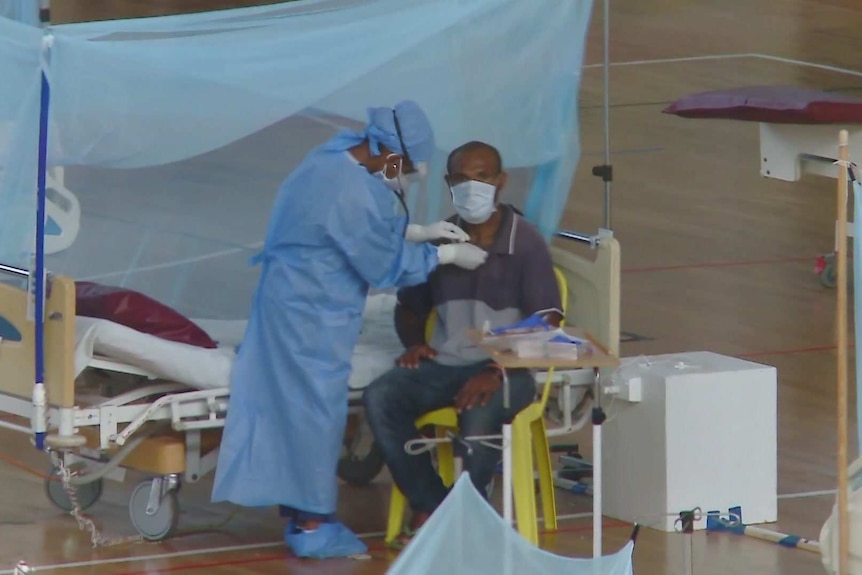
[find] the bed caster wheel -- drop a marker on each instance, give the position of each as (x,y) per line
(828,277)
(358,469)
(154,509)
(87,494)
(826,272)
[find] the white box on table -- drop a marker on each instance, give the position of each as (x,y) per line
(704,435)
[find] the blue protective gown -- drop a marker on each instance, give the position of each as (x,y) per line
(334,233)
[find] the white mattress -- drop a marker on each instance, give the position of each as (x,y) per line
(202,368)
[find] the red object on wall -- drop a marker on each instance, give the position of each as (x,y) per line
(139,312)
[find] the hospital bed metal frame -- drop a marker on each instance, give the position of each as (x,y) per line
(117,422)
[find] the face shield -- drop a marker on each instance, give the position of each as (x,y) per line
(419,174)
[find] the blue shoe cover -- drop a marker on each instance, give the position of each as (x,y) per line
(329,540)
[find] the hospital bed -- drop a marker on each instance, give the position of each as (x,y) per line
(62,209)
(121,400)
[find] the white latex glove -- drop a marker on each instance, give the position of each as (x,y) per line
(437,231)
(467,256)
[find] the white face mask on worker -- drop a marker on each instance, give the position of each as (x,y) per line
(400,182)
(474,201)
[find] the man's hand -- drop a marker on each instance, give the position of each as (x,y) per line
(478,390)
(410,359)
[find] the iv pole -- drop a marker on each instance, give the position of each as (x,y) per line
(606,170)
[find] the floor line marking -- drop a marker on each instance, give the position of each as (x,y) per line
(208,550)
(806,494)
(175,263)
(725,264)
(674,60)
(791,351)
(826,67)
(257,245)
(138,558)
(626,151)
(736,56)
(269,545)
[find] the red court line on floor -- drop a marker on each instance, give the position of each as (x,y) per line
(729,264)
(287,557)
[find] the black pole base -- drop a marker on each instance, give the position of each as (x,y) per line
(599,416)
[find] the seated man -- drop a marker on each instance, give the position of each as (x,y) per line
(516,281)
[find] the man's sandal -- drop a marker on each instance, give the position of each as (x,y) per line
(403,540)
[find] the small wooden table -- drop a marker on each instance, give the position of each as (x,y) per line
(595,357)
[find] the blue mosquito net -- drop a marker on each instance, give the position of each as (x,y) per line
(26,11)
(168,137)
(466,536)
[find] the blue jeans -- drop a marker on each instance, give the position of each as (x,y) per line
(300,516)
(396,399)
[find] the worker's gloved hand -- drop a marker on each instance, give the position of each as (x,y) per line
(437,231)
(464,255)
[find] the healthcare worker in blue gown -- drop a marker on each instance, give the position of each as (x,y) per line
(334,232)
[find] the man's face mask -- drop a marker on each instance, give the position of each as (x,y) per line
(474,201)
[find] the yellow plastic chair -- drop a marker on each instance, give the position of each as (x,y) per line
(528,435)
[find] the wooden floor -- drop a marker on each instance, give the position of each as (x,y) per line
(714,258)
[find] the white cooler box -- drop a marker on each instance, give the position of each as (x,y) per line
(704,435)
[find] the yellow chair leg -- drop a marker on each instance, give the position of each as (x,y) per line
(397,501)
(523,482)
(397,507)
(546,474)
(446,463)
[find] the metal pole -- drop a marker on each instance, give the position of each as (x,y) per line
(606,170)
(598,420)
(578,237)
(13,271)
(508,514)
(39,420)
(687,520)
(608,176)
(507,453)
(841,336)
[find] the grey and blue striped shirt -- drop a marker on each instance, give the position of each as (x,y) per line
(516,281)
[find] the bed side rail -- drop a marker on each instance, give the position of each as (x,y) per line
(13,271)
(592,240)
(204,409)
(180,407)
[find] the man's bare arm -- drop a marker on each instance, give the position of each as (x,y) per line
(410,326)
(553,318)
